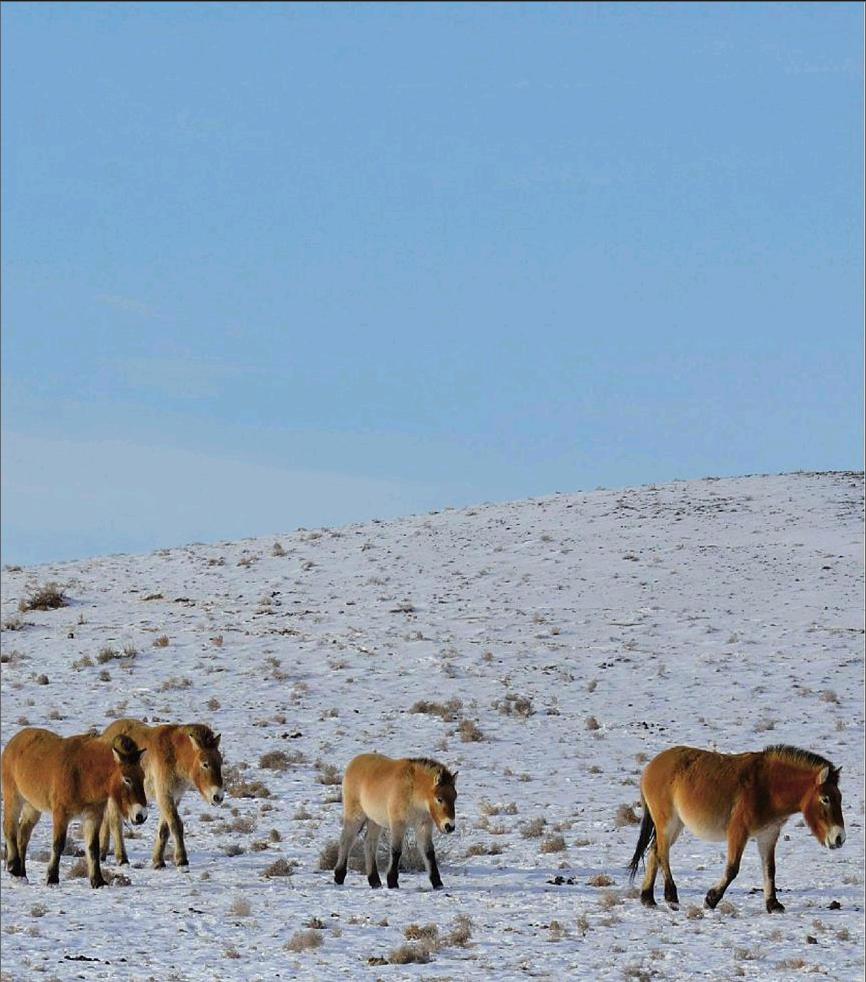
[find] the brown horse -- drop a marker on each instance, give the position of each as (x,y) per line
(733,797)
(380,792)
(179,757)
(67,776)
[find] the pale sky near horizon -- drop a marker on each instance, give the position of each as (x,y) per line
(275,265)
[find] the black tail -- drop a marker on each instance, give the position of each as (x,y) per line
(644,841)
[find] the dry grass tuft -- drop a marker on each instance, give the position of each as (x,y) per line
(461,934)
(328,774)
(534,828)
(47,597)
(602,880)
(283,867)
(592,723)
(422,932)
(241,907)
(410,954)
(469,732)
(305,941)
(329,855)
(279,760)
(625,815)
(161,642)
(515,705)
(448,711)
(553,843)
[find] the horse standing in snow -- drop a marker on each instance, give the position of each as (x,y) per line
(735,797)
(380,792)
(67,776)
(179,757)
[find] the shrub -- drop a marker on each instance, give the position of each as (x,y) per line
(469,732)
(240,907)
(305,941)
(448,711)
(283,867)
(161,642)
(553,843)
(47,597)
(329,774)
(625,815)
(534,828)
(515,705)
(460,935)
(418,932)
(409,954)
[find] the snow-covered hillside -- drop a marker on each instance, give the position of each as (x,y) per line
(559,643)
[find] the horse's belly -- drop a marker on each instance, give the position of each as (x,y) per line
(709,827)
(375,808)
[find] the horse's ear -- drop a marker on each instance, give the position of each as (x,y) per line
(454,777)
(823,774)
(216,739)
(140,753)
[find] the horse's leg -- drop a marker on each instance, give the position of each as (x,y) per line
(351,829)
(425,845)
(738,836)
(168,809)
(12,805)
(92,823)
(105,832)
(370,845)
(115,820)
(58,844)
(398,830)
(29,817)
(767,848)
(647,890)
(672,833)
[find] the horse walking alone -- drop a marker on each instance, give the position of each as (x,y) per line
(380,792)
(179,757)
(733,797)
(67,776)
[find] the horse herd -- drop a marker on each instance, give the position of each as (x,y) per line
(106,779)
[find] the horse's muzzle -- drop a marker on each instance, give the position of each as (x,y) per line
(447,826)
(217,797)
(139,816)
(836,839)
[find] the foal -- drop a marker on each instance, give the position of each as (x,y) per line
(734,797)
(179,757)
(380,792)
(67,776)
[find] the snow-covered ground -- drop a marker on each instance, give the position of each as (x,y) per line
(581,634)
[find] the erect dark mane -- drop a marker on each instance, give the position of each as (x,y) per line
(443,775)
(795,755)
(204,735)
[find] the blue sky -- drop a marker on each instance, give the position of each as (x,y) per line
(268,265)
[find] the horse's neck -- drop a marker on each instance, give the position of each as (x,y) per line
(789,784)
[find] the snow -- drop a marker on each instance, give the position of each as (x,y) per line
(726,614)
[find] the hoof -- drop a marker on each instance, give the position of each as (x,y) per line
(158,864)
(393,886)
(339,876)
(711,901)
(774,907)
(438,886)
(96,884)
(648,900)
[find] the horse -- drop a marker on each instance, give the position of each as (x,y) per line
(733,797)
(179,757)
(67,776)
(381,792)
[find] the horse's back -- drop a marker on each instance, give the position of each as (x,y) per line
(699,786)
(31,760)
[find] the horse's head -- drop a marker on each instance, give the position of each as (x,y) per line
(441,799)
(822,808)
(128,787)
(206,772)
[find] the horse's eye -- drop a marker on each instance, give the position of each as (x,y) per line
(205,765)
(439,801)
(127,782)
(824,800)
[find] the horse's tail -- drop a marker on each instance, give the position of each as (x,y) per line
(644,840)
